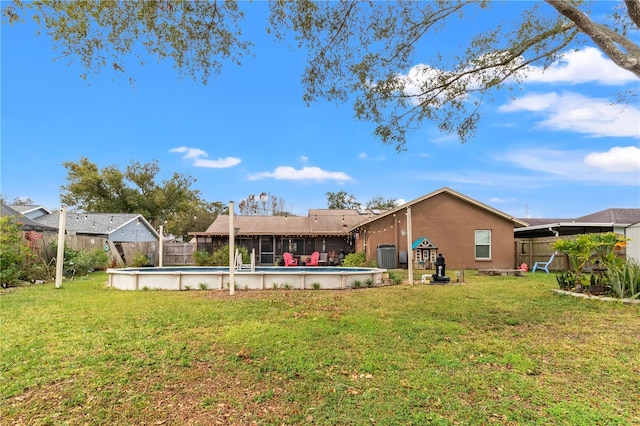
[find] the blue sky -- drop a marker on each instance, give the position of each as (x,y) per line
(559,149)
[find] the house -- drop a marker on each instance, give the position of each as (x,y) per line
(117,227)
(26,223)
(535,240)
(468,233)
(322,230)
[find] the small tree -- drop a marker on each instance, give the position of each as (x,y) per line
(13,252)
(591,246)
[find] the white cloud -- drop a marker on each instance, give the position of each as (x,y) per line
(617,159)
(304,159)
(568,166)
(362,155)
(498,200)
(306,173)
(582,66)
(577,113)
(196,155)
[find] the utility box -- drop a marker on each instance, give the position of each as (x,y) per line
(386,256)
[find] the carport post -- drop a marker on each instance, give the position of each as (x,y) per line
(409,246)
(232,238)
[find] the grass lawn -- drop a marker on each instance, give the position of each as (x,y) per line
(496,350)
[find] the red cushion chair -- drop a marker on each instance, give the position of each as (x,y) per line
(289,260)
(313,260)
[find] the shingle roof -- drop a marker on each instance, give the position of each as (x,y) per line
(90,223)
(26,208)
(318,222)
(615,215)
(26,223)
(516,222)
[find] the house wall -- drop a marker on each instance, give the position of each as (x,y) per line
(633,245)
(133,232)
(450,223)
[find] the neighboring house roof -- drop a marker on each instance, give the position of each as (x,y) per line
(96,223)
(26,224)
(616,215)
(445,190)
(31,210)
(602,221)
(318,222)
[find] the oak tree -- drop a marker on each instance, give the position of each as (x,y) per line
(365,52)
(136,189)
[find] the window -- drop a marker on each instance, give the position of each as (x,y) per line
(483,244)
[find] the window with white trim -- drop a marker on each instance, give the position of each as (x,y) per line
(483,244)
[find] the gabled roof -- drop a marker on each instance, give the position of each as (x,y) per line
(318,222)
(422,242)
(28,208)
(615,215)
(445,190)
(95,223)
(26,224)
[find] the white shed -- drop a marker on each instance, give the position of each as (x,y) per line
(632,232)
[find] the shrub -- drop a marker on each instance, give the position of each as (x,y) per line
(81,262)
(625,280)
(395,278)
(359,259)
(13,252)
(140,259)
(220,257)
(203,258)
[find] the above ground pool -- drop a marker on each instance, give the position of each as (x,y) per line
(268,277)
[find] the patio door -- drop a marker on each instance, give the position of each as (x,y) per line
(267,253)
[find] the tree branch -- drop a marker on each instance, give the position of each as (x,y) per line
(600,37)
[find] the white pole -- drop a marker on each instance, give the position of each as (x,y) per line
(232,238)
(409,246)
(60,255)
(161,246)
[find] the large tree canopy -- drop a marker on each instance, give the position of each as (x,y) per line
(357,50)
(135,190)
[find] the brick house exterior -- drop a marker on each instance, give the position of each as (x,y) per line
(468,233)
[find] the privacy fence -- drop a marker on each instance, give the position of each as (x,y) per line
(120,254)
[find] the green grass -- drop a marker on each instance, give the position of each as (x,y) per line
(496,350)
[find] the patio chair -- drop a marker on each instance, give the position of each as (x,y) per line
(314,259)
(289,260)
(324,259)
(543,265)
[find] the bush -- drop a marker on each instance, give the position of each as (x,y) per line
(221,256)
(359,259)
(81,262)
(140,260)
(17,261)
(203,258)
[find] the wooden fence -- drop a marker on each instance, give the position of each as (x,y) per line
(178,254)
(532,250)
(120,254)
